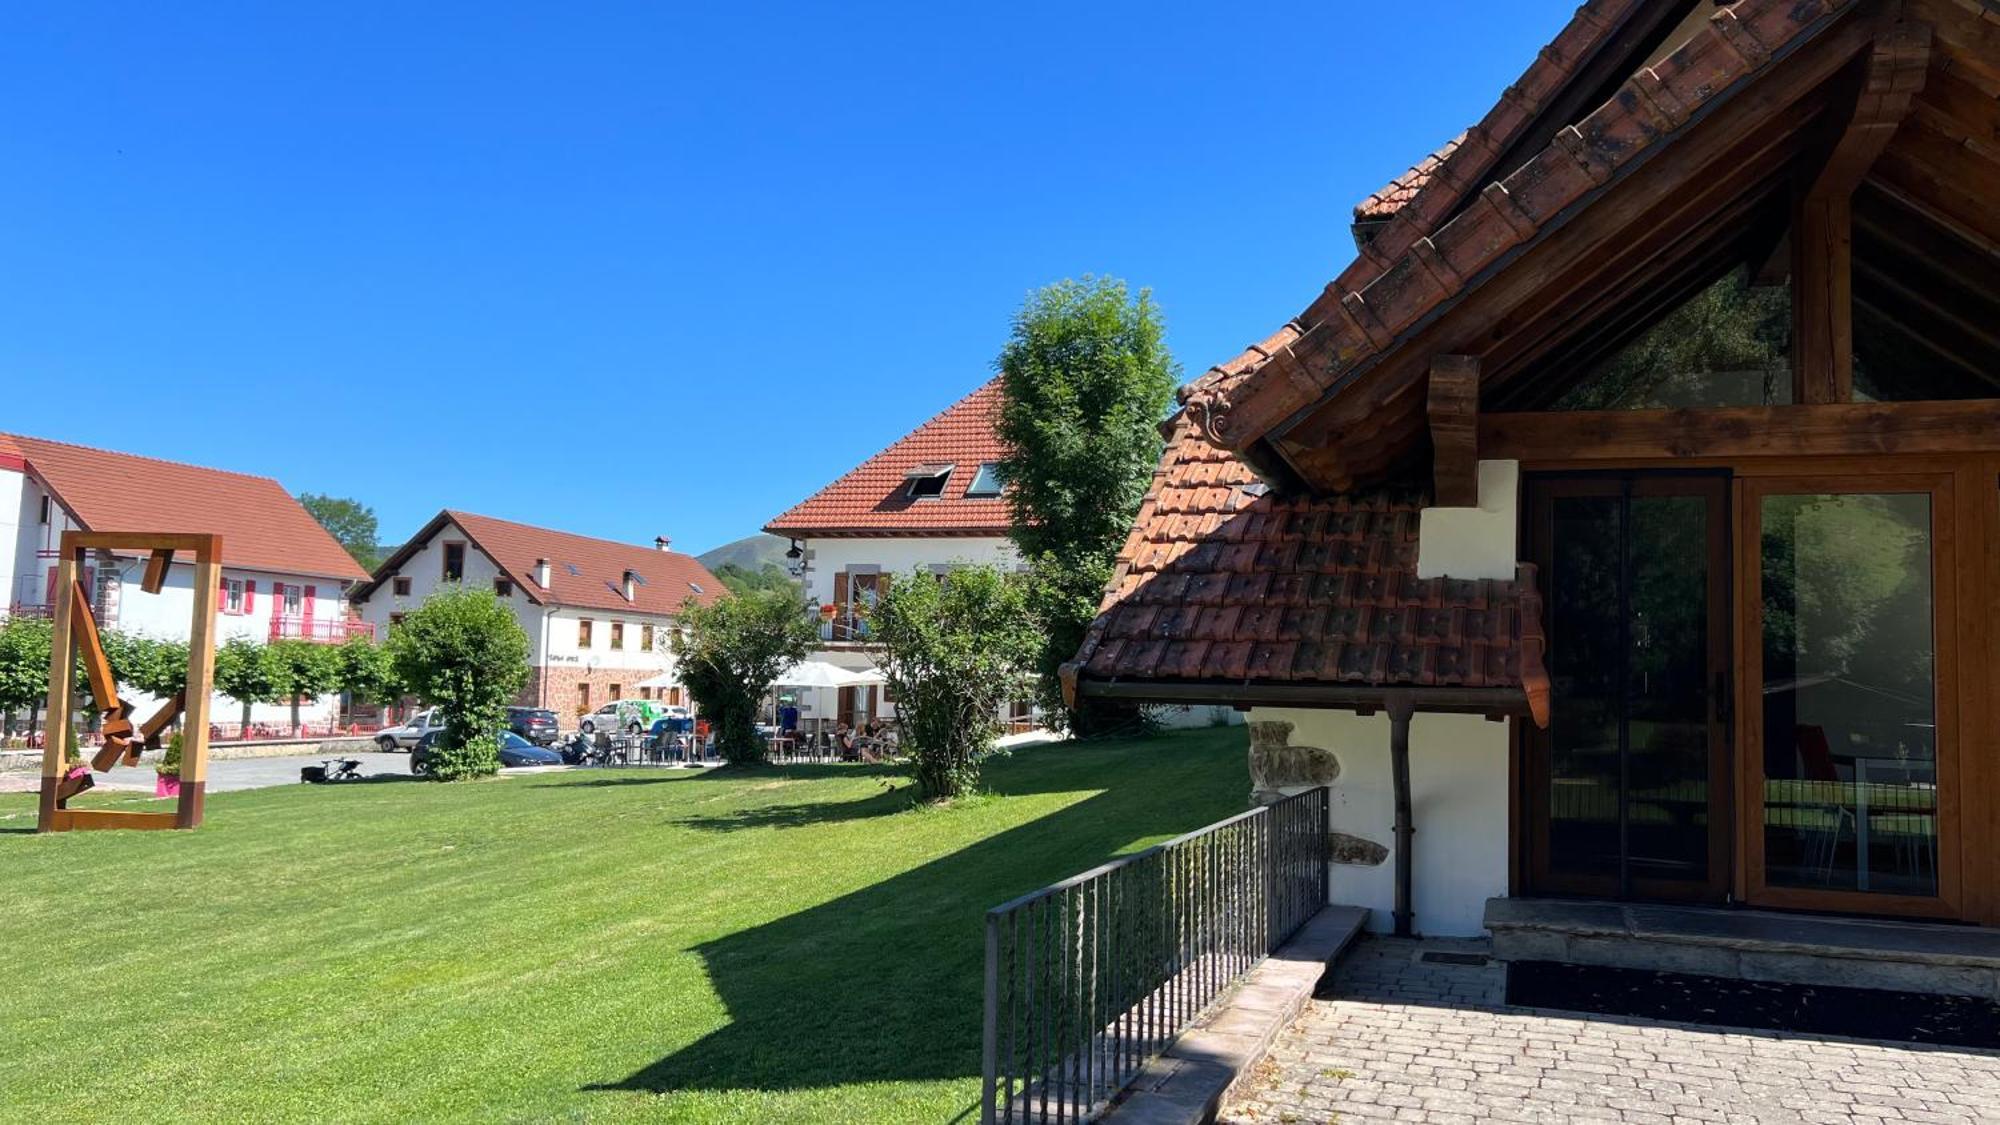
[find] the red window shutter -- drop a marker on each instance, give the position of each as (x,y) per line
(249,594)
(49,598)
(306,612)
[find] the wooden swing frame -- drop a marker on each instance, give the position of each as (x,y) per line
(76,637)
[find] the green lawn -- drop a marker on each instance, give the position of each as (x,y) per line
(791,944)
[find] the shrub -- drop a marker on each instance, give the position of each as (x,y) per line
(462,652)
(956,649)
(245,672)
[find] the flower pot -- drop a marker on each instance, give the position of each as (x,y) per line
(166,785)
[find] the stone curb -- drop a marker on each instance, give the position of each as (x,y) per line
(1189,1082)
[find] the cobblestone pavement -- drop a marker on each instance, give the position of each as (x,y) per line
(1406,1040)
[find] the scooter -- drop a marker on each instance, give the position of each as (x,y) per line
(332,770)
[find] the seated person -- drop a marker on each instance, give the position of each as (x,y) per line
(843,738)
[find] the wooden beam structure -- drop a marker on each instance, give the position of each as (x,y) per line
(76,636)
(1454,415)
(1822,238)
(1826,429)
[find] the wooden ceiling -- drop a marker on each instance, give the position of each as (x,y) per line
(1926,247)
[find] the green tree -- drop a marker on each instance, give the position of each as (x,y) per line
(462,652)
(955,651)
(25,644)
(303,670)
(1085,378)
(350,522)
(245,672)
(770,576)
(365,672)
(730,652)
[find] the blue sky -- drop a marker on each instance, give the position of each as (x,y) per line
(642,269)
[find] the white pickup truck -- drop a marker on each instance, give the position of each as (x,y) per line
(392,740)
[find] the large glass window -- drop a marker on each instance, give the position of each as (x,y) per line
(1849,692)
(1728,345)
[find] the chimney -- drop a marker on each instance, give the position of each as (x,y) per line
(660,542)
(631,590)
(542,573)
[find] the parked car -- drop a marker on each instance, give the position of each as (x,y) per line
(391,740)
(629,715)
(535,724)
(514,751)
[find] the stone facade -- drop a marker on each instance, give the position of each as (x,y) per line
(560,689)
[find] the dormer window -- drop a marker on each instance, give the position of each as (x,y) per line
(926,482)
(986,482)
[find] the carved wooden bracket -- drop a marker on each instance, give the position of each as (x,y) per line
(1454,414)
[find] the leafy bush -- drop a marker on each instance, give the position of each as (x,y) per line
(462,652)
(169,764)
(730,652)
(24,665)
(245,672)
(956,650)
(303,670)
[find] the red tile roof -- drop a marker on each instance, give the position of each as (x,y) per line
(1414,265)
(871,498)
(262,526)
(669,577)
(1397,193)
(1224,583)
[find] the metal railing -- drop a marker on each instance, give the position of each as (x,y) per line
(320,630)
(1091,978)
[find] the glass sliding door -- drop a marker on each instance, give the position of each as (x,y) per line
(1627,791)
(1851,772)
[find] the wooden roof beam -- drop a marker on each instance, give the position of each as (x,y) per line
(1822,238)
(1453,406)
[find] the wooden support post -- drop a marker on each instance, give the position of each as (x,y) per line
(1822,237)
(1400,711)
(1454,416)
(201,674)
(156,570)
(62,686)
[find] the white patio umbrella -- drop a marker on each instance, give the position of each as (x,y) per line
(822,674)
(664,679)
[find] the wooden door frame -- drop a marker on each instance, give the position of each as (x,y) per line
(1531,866)
(1839,477)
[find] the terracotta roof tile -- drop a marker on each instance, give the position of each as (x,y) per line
(669,578)
(1394,195)
(262,526)
(1221,580)
(872,499)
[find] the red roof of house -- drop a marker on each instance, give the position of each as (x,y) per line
(1224,582)
(873,499)
(262,526)
(584,573)
(1392,196)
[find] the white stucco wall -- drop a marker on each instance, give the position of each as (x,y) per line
(1458,799)
(1474,542)
(898,555)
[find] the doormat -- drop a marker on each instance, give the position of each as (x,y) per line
(1863,1013)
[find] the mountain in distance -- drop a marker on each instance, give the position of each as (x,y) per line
(750,553)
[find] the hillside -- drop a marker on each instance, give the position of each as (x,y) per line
(750,553)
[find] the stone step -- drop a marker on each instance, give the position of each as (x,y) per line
(1756,945)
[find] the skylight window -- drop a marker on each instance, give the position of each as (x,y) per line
(695,586)
(571,567)
(927,481)
(986,482)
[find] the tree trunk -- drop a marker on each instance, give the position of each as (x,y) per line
(295,716)
(244,733)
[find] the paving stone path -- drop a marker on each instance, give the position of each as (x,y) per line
(1406,1040)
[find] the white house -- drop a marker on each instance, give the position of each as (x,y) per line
(597,613)
(283,576)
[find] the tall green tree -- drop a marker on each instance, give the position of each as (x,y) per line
(350,522)
(955,651)
(463,652)
(303,670)
(365,671)
(730,652)
(25,645)
(1086,379)
(245,672)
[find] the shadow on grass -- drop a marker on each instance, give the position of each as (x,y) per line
(893,800)
(801,771)
(885,984)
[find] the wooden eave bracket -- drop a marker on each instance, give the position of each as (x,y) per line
(1896,69)
(1453,405)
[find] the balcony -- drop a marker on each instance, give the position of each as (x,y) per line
(288,627)
(846,628)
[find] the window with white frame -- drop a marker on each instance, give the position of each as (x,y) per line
(232,595)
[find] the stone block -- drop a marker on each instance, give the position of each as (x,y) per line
(1898,976)
(1657,956)
(1529,945)
(1275,764)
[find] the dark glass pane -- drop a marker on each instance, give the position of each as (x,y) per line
(1667,689)
(1728,345)
(1585,673)
(1850,734)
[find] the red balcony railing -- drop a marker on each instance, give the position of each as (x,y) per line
(330,631)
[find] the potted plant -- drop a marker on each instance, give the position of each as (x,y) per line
(167,783)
